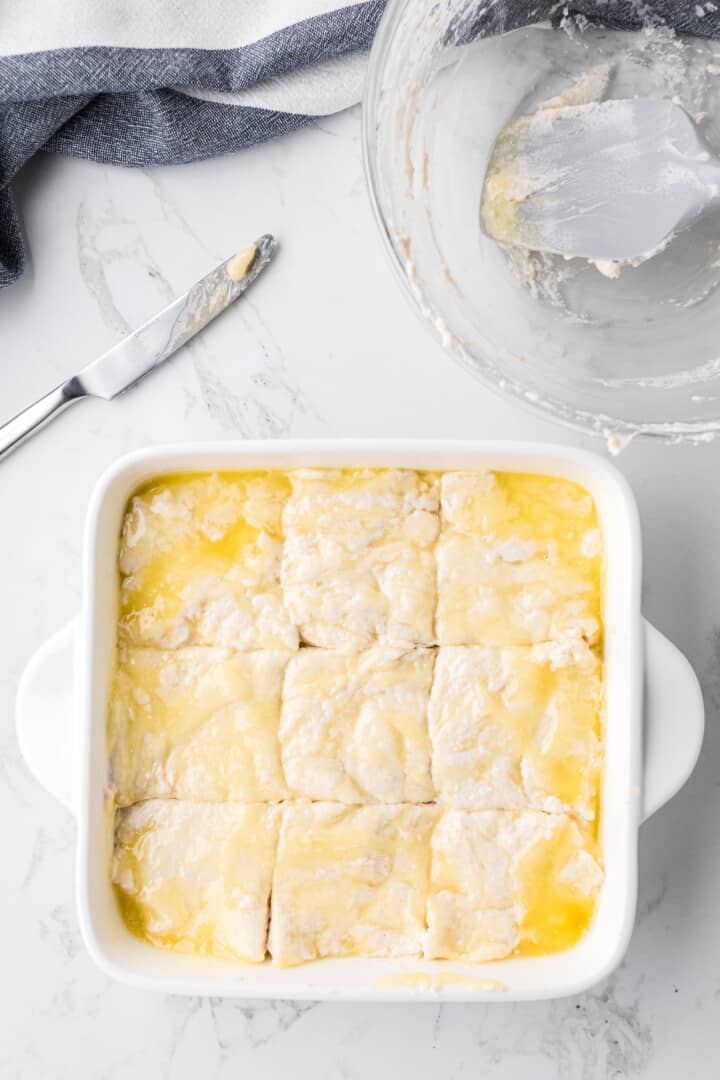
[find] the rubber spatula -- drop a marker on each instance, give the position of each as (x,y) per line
(613,180)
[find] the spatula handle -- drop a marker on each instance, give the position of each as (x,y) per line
(30,420)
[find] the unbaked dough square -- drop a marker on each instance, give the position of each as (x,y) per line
(353,727)
(358,562)
(200,563)
(196,723)
(519,727)
(519,560)
(195,877)
(350,881)
(504,883)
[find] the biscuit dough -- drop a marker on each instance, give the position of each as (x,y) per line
(504,883)
(358,562)
(200,563)
(354,726)
(517,728)
(195,877)
(350,881)
(196,723)
(518,560)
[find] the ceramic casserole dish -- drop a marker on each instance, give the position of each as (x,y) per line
(653,730)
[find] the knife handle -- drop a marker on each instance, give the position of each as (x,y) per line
(30,420)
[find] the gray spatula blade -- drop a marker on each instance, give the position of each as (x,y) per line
(613,180)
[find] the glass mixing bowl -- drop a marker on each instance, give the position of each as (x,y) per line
(619,356)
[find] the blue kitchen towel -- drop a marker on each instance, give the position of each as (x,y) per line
(138,83)
(171,81)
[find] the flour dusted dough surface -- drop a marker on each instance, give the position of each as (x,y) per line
(196,877)
(350,881)
(455,787)
(502,881)
(517,727)
(354,726)
(518,560)
(200,562)
(358,561)
(197,723)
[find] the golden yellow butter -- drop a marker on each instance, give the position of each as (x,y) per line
(200,563)
(398,674)
(518,561)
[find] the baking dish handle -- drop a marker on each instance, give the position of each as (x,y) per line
(674,721)
(45,712)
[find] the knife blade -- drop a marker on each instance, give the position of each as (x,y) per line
(150,345)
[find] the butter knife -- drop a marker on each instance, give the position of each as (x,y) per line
(147,347)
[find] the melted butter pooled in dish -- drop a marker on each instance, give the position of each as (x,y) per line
(516,728)
(200,563)
(558,878)
(519,561)
(365,704)
(199,723)
(505,884)
(195,877)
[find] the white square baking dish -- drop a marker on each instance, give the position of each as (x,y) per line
(639,775)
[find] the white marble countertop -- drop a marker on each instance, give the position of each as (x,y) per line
(324,345)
